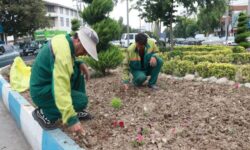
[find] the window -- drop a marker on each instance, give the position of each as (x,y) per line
(52,22)
(67,22)
(62,21)
(71,11)
(61,10)
(67,11)
(50,8)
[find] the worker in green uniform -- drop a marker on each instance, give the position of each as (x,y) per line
(57,85)
(141,60)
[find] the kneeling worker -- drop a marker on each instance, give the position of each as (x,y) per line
(57,85)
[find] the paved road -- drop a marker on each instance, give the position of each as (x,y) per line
(11,137)
(30,57)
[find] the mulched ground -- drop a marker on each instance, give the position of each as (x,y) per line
(182,115)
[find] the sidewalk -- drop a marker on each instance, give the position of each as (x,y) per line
(11,138)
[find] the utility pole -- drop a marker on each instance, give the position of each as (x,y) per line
(226,20)
(127,22)
(248,8)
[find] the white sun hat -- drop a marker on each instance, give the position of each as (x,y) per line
(89,39)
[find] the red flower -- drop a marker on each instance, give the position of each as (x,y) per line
(115,124)
(121,123)
(237,85)
(139,138)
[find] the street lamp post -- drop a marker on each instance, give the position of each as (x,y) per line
(127,22)
(249,8)
(226,20)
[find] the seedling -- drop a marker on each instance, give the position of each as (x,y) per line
(116,103)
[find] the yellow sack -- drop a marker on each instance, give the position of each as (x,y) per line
(19,75)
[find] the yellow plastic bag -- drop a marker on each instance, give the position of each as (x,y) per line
(19,75)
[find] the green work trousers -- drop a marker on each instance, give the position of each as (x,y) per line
(78,95)
(140,76)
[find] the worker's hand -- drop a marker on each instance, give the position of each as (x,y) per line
(153,62)
(84,69)
(126,87)
(77,128)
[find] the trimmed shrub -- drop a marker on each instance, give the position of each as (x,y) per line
(238,49)
(164,56)
(244,73)
(215,52)
(169,66)
(245,44)
(241,58)
(201,48)
(202,69)
(175,53)
(243,32)
(209,58)
(109,59)
(184,67)
(178,67)
(219,70)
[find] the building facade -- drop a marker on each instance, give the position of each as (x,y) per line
(60,15)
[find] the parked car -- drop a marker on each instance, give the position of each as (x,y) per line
(131,36)
(115,42)
(213,40)
(7,55)
(30,48)
(230,41)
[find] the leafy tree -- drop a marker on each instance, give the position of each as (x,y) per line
(75,25)
(22,17)
(185,27)
(96,15)
(209,18)
(242,31)
(163,10)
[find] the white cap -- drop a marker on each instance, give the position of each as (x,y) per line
(89,39)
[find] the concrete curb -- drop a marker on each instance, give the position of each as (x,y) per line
(39,139)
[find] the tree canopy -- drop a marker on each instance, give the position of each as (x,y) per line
(22,17)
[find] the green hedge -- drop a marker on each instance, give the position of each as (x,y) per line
(241,58)
(218,70)
(201,48)
(238,49)
(244,73)
(215,52)
(210,58)
(178,68)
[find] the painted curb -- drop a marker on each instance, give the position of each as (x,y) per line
(21,110)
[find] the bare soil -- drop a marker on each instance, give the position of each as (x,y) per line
(181,115)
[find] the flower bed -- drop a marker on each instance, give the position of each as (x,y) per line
(207,61)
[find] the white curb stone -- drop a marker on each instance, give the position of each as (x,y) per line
(222,81)
(189,77)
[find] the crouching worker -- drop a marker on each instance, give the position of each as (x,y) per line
(141,61)
(57,85)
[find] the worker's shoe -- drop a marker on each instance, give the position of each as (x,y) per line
(43,121)
(84,115)
(154,87)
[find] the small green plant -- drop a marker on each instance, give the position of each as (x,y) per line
(116,103)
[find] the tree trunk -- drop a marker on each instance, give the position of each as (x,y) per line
(15,39)
(171,33)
